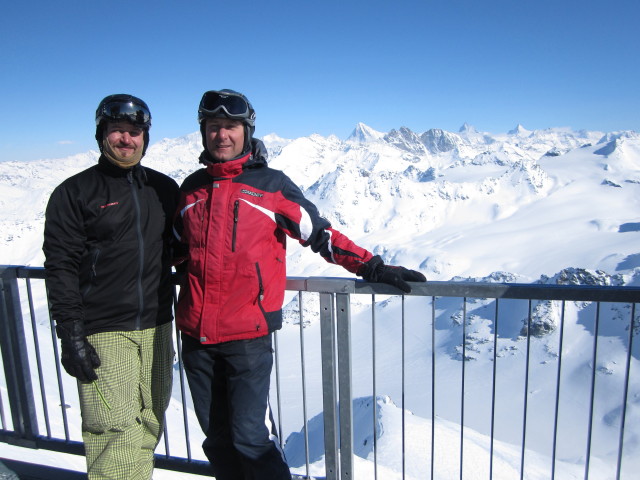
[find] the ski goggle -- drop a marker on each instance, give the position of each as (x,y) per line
(233,106)
(137,114)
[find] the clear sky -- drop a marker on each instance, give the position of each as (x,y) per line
(317,66)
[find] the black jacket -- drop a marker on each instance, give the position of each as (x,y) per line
(106,244)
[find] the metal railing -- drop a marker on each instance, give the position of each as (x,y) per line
(449,354)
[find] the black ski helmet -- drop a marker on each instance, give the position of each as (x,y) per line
(122,106)
(227,103)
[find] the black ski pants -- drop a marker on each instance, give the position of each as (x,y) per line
(229,385)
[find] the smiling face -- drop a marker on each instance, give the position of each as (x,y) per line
(124,138)
(224,138)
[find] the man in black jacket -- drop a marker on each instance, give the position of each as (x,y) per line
(106,243)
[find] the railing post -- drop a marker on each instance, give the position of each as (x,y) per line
(329,395)
(343,309)
(15,359)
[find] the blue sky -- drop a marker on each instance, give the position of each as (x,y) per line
(317,66)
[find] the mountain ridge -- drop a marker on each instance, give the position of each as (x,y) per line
(452,204)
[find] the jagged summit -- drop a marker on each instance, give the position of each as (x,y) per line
(364,134)
(466,128)
(438,141)
(519,130)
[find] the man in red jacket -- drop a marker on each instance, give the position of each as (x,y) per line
(234,216)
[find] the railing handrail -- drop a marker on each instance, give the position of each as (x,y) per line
(470,289)
(461,289)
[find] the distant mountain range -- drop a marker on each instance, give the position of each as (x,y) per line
(463,204)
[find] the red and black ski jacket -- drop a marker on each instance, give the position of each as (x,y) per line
(234,218)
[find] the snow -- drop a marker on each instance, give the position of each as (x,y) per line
(525,206)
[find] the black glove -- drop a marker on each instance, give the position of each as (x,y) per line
(78,357)
(376,271)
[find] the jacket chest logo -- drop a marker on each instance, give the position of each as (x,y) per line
(253,194)
(109,204)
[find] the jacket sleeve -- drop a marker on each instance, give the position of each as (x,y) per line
(301,220)
(64,244)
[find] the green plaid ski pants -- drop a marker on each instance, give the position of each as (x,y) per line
(123,411)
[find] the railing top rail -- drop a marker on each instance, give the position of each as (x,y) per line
(533,291)
(594,293)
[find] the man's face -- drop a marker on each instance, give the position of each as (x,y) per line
(124,138)
(224,138)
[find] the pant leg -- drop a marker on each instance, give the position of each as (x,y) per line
(111,426)
(229,384)
(207,383)
(248,364)
(156,374)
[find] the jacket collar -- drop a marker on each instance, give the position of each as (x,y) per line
(136,172)
(232,168)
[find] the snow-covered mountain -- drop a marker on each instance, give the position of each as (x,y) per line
(553,205)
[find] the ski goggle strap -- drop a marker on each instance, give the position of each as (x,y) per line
(137,114)
(233,106)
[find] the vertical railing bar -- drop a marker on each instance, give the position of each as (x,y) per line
(278,396)
(165,431)
(433,384)
(304,385)
(403,392)
(593,390)
(3,420)
(183,393)
(329,395)
(626,391)
(4,308)
(63,402)
(167,454)
(493,387)
(526,392)
(464,355)
(375,394)
(15,358)
(54,341)
(34,329)
(557,407)
(343,311)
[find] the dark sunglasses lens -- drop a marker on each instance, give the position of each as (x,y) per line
(128,111)
(232,104)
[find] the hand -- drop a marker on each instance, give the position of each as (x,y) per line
(376,271)
(78,357)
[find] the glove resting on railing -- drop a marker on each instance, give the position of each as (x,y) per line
(376,271)
(78,357)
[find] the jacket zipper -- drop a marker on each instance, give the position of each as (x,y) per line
(136,203)
(260,291)
(236,208)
